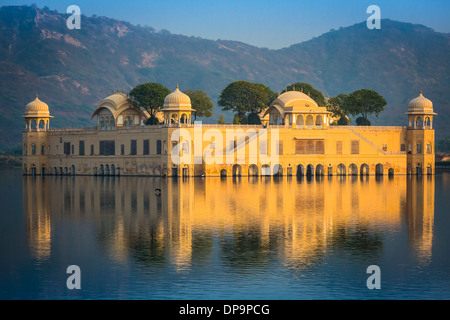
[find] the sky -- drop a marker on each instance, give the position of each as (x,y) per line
(272,24)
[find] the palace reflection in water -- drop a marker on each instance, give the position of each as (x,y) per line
(248,221)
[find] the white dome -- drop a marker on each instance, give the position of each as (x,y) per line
(177,99)
(420,104)
(37,108)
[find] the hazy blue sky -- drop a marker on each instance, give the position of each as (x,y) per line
(264,23)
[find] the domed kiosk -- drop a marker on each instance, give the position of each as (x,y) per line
(116,111)
(420,136)
(37,116)
(296,109)
(177,108)
(420,113)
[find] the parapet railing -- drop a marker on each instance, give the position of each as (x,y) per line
(72,129)
(368,127)
(231,126)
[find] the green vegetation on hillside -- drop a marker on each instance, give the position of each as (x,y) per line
(11,158)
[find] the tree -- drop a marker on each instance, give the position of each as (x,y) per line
(335,106)
(364,102)
(200,102)
(149,96)
(253,118)
(316,95)
(245,97)
(221,120)
(343,121)
(361,121)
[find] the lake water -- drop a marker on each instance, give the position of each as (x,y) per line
(209,238)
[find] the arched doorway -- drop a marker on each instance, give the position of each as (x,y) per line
(223,173)
(265,170)
(353,170)
(113,170)
(185,171)
(277,170)
(419,169)
(391,172)
(319,170)
(309,170)
(364,170)
(253,170)
(379,169)
(174,172)
(102,170)
(107,170)
(72,170)
(237,170)
(341,170)
(300,170)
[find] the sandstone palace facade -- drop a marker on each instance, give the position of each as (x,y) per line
(297,138)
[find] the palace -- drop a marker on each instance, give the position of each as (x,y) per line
(297,137)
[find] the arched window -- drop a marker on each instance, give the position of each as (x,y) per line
(33,149)
(102,123)
(319,121)
(309,122)
(300,121)
(419,122)
(41,124)
(429,148)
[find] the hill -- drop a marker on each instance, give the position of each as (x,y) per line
(72,70)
